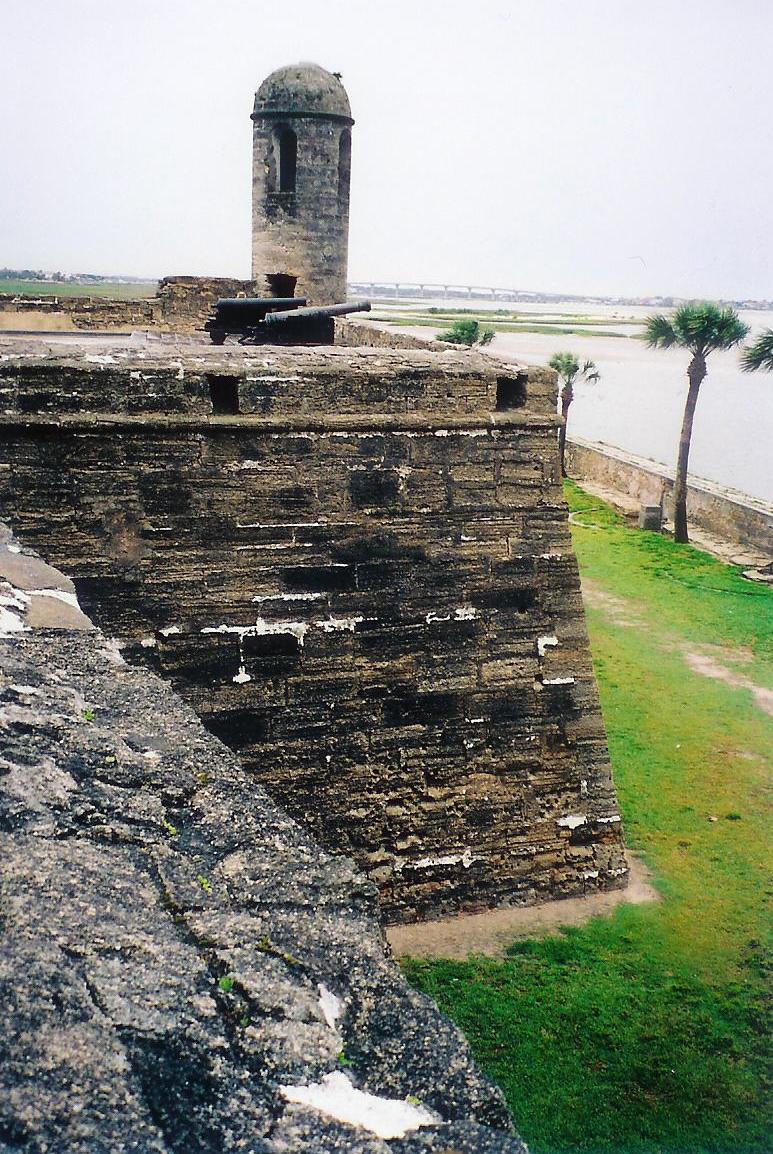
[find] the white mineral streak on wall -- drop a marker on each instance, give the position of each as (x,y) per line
(263,628)
(615,817)
(331,1006)
(277,545)
(558,681)
(463,613)
(464,859)
(299,629)
(284,524)
(275,380)
(572,820)
(170,630)
(338,1098)
(544,642)
(288,597)
(337,624)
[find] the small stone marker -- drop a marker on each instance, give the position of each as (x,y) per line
(651,517)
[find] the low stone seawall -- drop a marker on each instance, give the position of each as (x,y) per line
(734,517)
(182,967)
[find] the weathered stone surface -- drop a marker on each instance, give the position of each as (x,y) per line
(362,581)
(175,949)
(181,304)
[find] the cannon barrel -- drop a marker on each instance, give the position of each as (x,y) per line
(240,303)
(314,314)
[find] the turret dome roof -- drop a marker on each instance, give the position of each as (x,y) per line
(300,89)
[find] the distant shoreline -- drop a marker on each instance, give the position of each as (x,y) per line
(44,282)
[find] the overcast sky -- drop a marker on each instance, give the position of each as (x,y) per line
(599,146)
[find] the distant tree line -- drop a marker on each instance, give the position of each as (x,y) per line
(37,274)
(23,274)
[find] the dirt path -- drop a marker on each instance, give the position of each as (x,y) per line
(492,932)
(709,661)
(616,609)
(702,661)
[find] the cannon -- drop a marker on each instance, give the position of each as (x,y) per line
(239,316)
(304,326)
(277,321)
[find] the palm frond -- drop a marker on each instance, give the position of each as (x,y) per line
(659,332)
(704,327)
(566,365)
(760,354)
(590,372)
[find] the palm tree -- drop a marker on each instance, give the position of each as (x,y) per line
(760,354)
(569,371)
(701,329)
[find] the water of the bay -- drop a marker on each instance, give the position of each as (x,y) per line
(638,403)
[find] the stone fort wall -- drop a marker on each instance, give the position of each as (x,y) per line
(181,304)
(356,566)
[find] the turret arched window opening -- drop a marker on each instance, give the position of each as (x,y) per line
(344,166)
(288,159)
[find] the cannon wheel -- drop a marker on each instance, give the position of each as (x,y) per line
(217,336)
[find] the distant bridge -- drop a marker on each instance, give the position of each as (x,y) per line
(406,290)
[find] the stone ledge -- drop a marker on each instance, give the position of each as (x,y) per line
(518,418)
(179,957)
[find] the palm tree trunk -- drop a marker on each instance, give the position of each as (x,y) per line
(696,371)
(566,400)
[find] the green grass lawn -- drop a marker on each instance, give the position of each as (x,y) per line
(555,328)
(111,289)
(647,1031)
